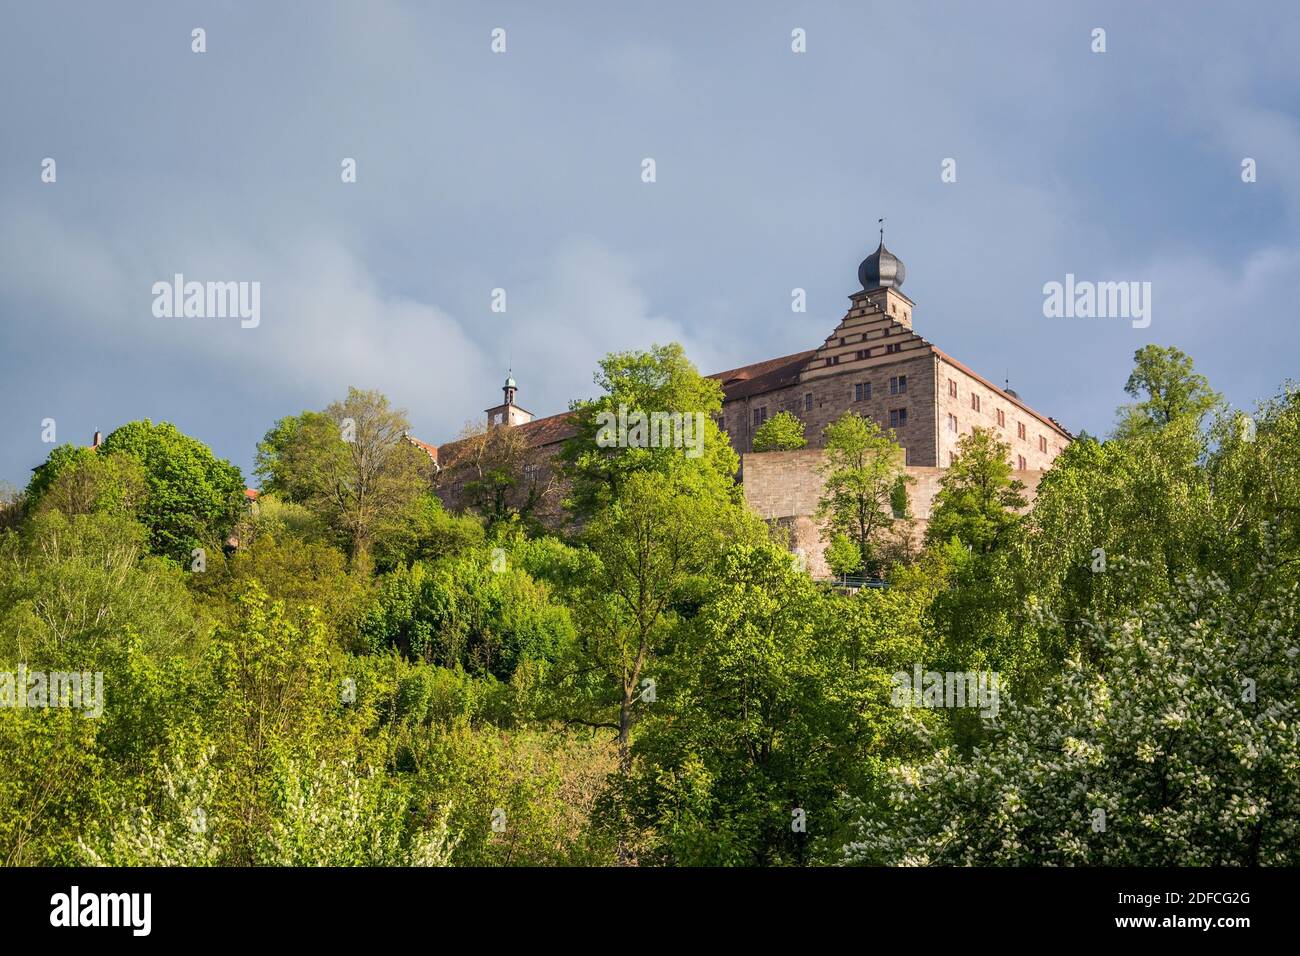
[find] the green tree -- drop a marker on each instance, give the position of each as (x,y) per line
(648,551)
(427,532)
(781,432)
(978,499)
(1168,388)
(774,704)
(74,591)
(474,610)
(190,498)
(279,708)
(843,556)
(350,464)
(862,477)
(96,481)
(659,381)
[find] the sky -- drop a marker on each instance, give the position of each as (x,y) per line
(523,170)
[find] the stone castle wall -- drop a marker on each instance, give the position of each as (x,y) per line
(832,395)
(784,487)
(1007,428)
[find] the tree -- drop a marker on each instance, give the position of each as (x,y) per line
(75,591)
(190,498)
(843,556)
(426,532)
(978,499)
(96,481)
(597,461)
(781,432)
(1175,749)
(775,704)
(12,505)
(1169,389)
(59,459)
(351,464)
(863,482)
(474,610)
(647,549)
(493,461)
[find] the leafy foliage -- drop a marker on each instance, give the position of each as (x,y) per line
(782,432)
(658,682)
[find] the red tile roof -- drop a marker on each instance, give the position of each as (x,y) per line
(762,377)
(540,433)
(430,450)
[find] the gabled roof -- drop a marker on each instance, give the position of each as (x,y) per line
(549,430)
(540,432)
(762,376)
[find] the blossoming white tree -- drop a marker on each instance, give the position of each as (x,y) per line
(1179,746)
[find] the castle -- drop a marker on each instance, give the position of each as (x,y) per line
(873,363)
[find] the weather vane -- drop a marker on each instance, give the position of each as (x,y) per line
(881,220)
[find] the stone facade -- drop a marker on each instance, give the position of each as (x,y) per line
(783,487)
(875,364)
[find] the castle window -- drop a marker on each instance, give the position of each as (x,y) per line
(530,472)
(1042,443)
(862,392)
(952,423)
(952,387)
(807,402)
(892,348)
(1002,418)
(897,417)
(760,416)
(898,385)
(833,360)
(1020,430)
(1020,460)
(864,353)
(975,401)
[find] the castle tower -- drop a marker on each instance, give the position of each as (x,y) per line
(508,413)
(882,274)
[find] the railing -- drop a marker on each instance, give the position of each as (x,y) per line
(856,581)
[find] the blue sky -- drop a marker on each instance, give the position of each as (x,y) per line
(522,171)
